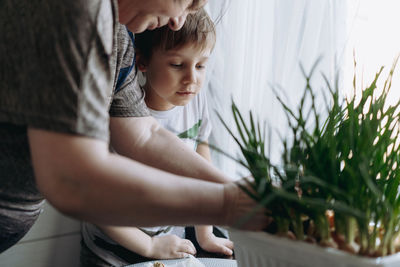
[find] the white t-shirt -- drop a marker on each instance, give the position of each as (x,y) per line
(191,122)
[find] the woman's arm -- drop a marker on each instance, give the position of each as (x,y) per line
(81,178)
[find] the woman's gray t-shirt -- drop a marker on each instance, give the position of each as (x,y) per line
(60,64)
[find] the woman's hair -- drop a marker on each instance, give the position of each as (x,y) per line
(198,29)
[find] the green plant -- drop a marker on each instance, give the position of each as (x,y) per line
(345,164)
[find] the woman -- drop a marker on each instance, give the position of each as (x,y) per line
(59,110)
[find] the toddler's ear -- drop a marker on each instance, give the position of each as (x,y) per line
(141,65)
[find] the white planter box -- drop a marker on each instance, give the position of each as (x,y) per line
(259,249)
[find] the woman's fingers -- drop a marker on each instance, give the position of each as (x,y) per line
(241,211)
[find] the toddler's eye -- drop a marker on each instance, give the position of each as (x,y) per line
(200,66)
(176,65)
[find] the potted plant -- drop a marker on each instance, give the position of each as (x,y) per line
(335,196)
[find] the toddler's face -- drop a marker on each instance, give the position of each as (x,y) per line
(141,15)
(175,76)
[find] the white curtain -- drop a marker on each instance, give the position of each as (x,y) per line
(260,45)
(374,42)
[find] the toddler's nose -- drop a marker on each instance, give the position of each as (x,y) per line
(190,77)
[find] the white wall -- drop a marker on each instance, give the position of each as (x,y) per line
(54,240)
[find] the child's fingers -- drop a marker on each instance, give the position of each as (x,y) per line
(187,247)
(219,245)
(180,255)
(227,251)
(227,243)
(223,250)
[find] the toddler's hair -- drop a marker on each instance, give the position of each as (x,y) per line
(198,29)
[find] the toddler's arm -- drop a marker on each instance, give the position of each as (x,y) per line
(204,233)
(157,247)
(204,150)
(145,140)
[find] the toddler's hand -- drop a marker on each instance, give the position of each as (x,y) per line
(170,247)
(209,242)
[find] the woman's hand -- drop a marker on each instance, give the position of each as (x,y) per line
(170,247)
(241,211)
(209,242)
